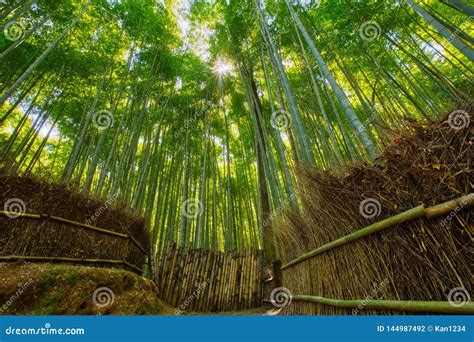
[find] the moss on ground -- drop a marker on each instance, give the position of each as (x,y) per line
(54,289)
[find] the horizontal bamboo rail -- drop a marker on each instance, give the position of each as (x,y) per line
(397,305)
(76,224)
(14,258)
(409,215)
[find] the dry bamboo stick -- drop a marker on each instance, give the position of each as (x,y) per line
(203,283)
(230,300)
(176,280)
(171,274)
(62,220)
(252,279)
(200,285)
(228,282)
(212,284)
(241,281)
(207,277)
(446,207)
(218,281)
(194,275)
(185,280)
(215,300)
(244,280)
(160,266)
(223,282)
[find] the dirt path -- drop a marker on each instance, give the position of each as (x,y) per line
(262,311)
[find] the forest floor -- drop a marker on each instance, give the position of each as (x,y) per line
(46,289)
(262,311)
(56,289)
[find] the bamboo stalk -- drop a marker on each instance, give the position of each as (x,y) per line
(397,305)
(446,207)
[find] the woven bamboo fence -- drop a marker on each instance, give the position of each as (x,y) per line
(207,280)
(128,253)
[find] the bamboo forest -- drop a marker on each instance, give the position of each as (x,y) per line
(257,156)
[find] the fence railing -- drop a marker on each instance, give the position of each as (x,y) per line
(408,215)
(45,217)
(207,280)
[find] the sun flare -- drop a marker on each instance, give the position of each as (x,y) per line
(222,67)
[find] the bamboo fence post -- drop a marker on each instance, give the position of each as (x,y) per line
(170,275)
(212,284)
(185,281)
(228,280)
(224,280)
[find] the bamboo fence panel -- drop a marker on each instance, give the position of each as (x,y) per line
(206,280)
